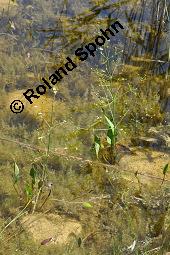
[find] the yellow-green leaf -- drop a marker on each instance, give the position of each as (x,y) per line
(87,205)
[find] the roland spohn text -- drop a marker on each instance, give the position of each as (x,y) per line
(82,53)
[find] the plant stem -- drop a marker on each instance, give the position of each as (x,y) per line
(36,201)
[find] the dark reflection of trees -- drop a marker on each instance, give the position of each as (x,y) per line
(146,27)
(149,25)
(146,38)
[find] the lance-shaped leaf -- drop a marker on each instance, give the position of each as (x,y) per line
(33,175)
(97,145)
(112,132)
(16,173)
(110,123)
(165,170)
(110,136)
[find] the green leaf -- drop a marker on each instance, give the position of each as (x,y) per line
(33,175)
(112,132)
(97,145)
(110,136)
(29,191)
(87,205)
(110,123)
(79,241)
(166,168)
(16,173)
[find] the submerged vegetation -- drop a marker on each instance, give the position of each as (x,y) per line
(72,161)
